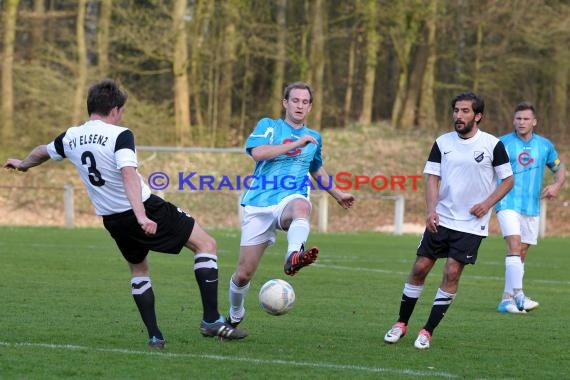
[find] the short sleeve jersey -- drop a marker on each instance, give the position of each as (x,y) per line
(98,151)
(284,175)
(468,171)
(528,160)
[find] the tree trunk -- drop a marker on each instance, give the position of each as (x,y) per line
(180,59)
(349,80)
(372,43)
(560,91)
(227,69)
(37,31)
(10,15)
(403,34)
(426,115)
(246,89)
(279,71)
(203,15)
(317,62)
(410,109)
(81,78)
(103,37)
(304,61)
(478,56)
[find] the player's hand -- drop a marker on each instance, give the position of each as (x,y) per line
(306,140)
(14,163)
(432,221)
(147,225)
(479,210)
(346,200)
(549,192)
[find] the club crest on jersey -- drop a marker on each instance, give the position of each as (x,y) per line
(292,152)
(525,159)
(478,156)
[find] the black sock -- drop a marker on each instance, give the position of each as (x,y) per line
(407,306)
(206,272)
(440,305)
(143,295)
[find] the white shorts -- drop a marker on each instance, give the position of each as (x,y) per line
(513,223)
(260,224)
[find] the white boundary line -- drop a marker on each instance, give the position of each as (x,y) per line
(466,275)
(406,372)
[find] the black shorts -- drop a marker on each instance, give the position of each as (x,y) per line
(461,246)
(174,227)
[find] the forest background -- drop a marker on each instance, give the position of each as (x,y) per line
(200,73)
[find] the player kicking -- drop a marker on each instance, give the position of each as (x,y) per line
(104,155)
(285,151)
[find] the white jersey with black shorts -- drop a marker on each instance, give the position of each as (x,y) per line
(99,150)
(468,171)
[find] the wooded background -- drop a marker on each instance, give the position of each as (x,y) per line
(202,72)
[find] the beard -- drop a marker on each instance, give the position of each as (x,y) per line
(467,128)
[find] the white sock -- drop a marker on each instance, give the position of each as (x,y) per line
(443,298)
(413,291)
(297,235)
(513,274)
(237,297)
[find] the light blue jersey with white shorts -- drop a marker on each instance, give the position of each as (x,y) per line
(284,175)
(528,160)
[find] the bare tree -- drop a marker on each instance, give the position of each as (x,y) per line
(350,78)
(37,30)
(404,32)
(10,17)
(372,43)
(81,72)
(280,58)
(317,59)
(200,26)
(426,113)
(103,37)
(228,60)
(180,72)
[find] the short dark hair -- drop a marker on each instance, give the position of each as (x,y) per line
(477,102)
(523,106)
(103,96)
(298,86)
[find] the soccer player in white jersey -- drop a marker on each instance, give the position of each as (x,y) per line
(285,151)
(462,170)
(104,155)
(519,211)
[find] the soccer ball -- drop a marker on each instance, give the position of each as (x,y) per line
(276,297)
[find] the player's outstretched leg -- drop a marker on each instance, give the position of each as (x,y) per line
(300,259)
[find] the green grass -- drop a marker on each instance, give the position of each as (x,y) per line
(67,312)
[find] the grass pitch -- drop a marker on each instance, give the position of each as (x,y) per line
(67,312)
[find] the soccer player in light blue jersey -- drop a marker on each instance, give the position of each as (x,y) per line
(285,151)
(519,211)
